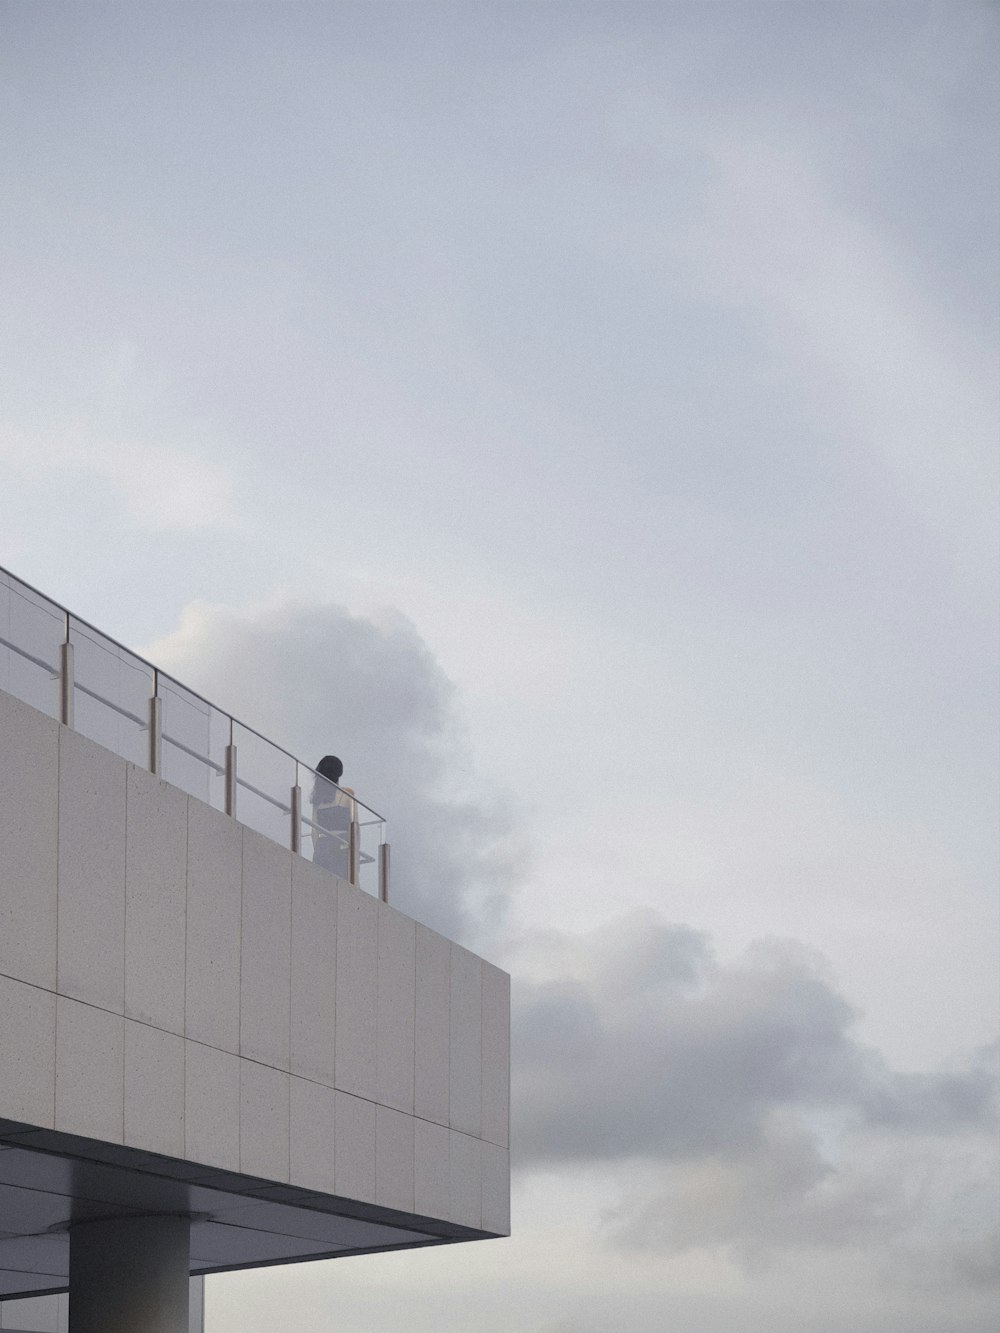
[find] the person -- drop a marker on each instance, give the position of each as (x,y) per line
(333,811)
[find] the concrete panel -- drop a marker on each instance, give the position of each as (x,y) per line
(89,1071)
(357,991)
(27,1053)
(496,1189)
(393,1159)
(465,1073)
(211,1106)
(264,1098)
(466,1179)
(431,1176)
(394,1050)
(432,1025)
(91,872)
(214,908)
(312,1120)
(314,972)
(29,790)
(496,1055)
(155,892)
(354,1163)
(265,967)
(154,1090)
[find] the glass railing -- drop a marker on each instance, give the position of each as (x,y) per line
(340,832)
(66,668)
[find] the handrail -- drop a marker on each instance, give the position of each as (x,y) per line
(68,684)
(178,744)
(38,661)
(85,689)
(132,717)
(202,758)
(79,620)
(118,644)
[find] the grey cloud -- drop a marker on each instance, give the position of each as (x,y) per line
(977,1261)
(783,1194)
(317,679)
(905,1218)
(679,1055)
(738,1108)
(937,1103)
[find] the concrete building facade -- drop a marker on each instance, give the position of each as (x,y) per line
(211,1043)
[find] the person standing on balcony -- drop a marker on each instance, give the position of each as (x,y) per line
(333,814)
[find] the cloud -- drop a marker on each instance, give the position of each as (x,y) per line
(666,1053)
(316,679)
(736,1107)
(161,487)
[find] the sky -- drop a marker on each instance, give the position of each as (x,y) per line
(581,417)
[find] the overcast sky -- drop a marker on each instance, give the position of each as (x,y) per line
(583,418)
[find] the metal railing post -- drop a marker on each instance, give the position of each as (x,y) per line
(231,780)
(296,839)
(66,682)
(155,734)
(353,849)
(383,871)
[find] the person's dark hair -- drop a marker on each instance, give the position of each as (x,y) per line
(331,768)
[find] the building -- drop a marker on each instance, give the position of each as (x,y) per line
(214,1053)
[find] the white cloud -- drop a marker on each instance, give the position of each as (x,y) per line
(159,487)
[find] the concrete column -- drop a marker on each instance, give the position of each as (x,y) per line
(129,1275)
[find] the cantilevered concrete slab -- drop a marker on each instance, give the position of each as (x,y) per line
(50,1182)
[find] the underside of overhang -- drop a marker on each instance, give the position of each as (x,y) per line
(49,1181)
